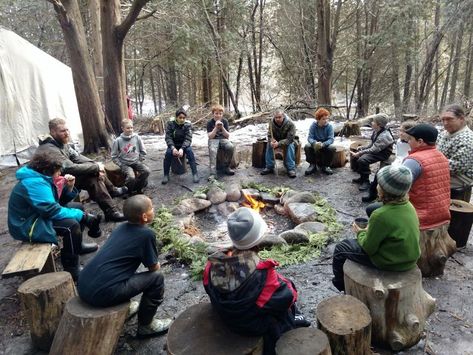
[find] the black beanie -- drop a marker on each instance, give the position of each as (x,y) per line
(424,131)
(181,111)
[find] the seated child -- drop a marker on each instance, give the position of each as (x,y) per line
(128,152)
(391,241)
(249,295)
(110,278)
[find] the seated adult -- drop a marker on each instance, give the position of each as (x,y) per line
(380,148)
(320,147)
(35,214)
(89,175)
(218,133)
(281,134)
(179,139)
(391,240)
(456,143)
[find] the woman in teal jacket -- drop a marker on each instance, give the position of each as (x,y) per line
(36,216)
(391,240)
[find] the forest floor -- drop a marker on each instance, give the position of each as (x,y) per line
(449,330)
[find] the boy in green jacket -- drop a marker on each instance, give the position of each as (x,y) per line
(391,240)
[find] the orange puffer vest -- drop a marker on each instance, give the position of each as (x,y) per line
(430,193)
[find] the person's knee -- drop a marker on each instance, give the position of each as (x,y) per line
(145,171)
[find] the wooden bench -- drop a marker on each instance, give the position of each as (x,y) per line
(30,260)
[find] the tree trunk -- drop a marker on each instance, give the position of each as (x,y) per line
(468,66)
(456,63)
(443,98)
(42,301)
(395,82)
(96,40)
(309,341)
(88,100)
(153,89)
(206,82)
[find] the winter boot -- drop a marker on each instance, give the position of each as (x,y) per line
(70,263)
(372,193)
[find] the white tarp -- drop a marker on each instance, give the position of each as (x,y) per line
(34,87)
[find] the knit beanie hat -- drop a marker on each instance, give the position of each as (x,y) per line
(395,180)
(246,228)
(381,120)
(181,111)
(424,131)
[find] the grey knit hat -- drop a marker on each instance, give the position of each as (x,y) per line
(246,228)
(381,119)
(395,180)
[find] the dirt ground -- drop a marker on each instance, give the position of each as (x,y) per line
(449,329)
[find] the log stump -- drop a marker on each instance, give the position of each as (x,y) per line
(303,341)
(339,158)
(200,331)
(258,153)
(354,148)
(87,330)
(398,304)
(436,246)
(42,299)
(350,129)
(347,323)
(179,165)
(114,173)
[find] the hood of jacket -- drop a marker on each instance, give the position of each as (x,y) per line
(284,122)
(43,139)
(26,172)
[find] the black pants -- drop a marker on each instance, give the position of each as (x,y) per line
(99,190)
(323,157)
(136,176)
(351,250)
(362,164)
(150,283)
(71,232)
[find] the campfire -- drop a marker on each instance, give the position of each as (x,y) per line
(252,203)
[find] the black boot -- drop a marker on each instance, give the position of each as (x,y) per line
(70,263)
(372,193)
(86,248)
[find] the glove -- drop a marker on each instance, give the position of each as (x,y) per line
(93,223)
(317,146)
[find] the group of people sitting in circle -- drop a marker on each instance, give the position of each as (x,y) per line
(252,298)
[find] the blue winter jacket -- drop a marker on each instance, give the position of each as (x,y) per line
(323,134)
(33,206)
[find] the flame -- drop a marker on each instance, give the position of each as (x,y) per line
(252,203)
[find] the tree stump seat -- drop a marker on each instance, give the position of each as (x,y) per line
(436,246)
(303,341)
(200,331)
(398,304)
(114,173)
(42,299)
(29,260)
(347,323)
(87,330)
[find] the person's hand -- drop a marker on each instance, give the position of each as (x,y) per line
(274,144)
(101,166)
(355,228)
(70,181)
(175,152)
(180,153)
(317,146)
(355,154)
(219,125)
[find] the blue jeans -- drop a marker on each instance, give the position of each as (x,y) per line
(190,158)
(290,162)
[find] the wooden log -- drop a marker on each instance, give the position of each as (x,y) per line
(354,148)
(179,165)
(398,304)
(347,323)
(86,330)
(436,246)
(42,299)
(200,331)
(258,154)
(340,158)
(350,129)
(29,260)
(303,341)
(114,173)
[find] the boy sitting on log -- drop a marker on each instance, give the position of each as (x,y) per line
(391,241)
(110,278)
(249,295)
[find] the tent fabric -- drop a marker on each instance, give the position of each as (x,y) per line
(34,87)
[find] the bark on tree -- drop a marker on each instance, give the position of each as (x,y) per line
(114,31)
(456,62)
(468,66)
(88,100)
(96,43)
(398,304)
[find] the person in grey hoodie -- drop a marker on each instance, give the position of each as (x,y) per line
(128,152)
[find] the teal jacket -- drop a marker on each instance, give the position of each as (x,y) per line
(34,205)
(392,237)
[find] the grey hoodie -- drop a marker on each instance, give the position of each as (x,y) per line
(127,150)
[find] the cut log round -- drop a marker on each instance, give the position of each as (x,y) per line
(339,158)
(347,323)
(436,247)
(114,173)
(398,304)
(200,331)
(86,330)
(303,341)
(353,148)
(258,154)
(42,299)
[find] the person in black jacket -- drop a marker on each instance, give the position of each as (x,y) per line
(249,295)
(179,140)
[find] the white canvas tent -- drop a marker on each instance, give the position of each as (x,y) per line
(34,87)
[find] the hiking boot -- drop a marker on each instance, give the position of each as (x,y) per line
(195,178)
(327,170)
(156,327)
(133,309)
(358,180)
(229,172)
(312,169)
(365,185)
(267,171)
(86,248)
(291,174)
(114,216)
(165,179)
(93,223)
(119,191)
(300,321)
